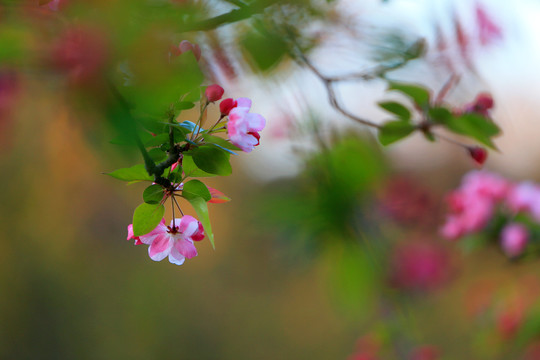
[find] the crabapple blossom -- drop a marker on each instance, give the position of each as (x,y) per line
(525,196)
(514,238)
(174,241)
(243,127)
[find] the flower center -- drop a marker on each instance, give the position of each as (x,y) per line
(172,230)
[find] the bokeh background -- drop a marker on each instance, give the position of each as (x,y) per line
(330,246)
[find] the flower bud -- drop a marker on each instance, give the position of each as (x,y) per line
(479,154)
(514,238)
(226,106)
(214,92)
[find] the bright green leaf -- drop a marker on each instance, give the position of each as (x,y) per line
(134,173)
(153,194)
(440,115)
(396,108)
(475,126)
(146,217)
(195,188)
(394,130)
(418,94)
(211,139)
(212,160)
(201,208)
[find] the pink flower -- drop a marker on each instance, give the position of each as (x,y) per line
(514,238)
(243,127)
(176,242)
(131,237)
(214,92)
(525,196)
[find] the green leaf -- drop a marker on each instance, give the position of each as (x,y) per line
(396,108)
(134,173)
(191,170)
(175,177)
(475,126)
(419,94)
(153,194)
(195,188)
(184,105)
(157,154)
(212,160)
(394,130)
(146,217)
(157,140)
(440,115)
(201,208)
(211,139)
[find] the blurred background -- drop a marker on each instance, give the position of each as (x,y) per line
(330,248)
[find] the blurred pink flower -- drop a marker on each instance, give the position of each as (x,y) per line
(419,265)
(525,196)
(176,242)
(514,239)
(243,127)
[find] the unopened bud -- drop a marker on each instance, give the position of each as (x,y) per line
(226,106)
(214,92)
(479,154)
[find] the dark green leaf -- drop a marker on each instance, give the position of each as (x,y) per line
(475,126)
(134,173)
(157,154)
(396,108)
(175,177)
(440,115)
(201,208)
(212,160)
(157,140)
(394,130)
(418,94)
(191,170)
(146,217)
(195,188)
(153,194)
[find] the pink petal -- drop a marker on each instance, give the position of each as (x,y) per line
(160,247)
(188,225)
(255,122)
(243,103)
(175,257)
(149,238)
(199,234)
(186,248)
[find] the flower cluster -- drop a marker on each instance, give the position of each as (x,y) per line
(481,197)
(174,241)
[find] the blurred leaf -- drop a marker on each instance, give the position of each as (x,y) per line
(212,160)
(418,94)
(394,130)
(157,155)
(201,208)
(146,217)
(396,108)
(134,173)
(265,49)
(475,126)
(195,188)
(184,105)
(157,140)
(153,194)
(220,141)
(440,115)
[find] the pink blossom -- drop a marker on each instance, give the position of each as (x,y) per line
(174,241)
(243,127)
(525,196)
(514,238)
(214,92)
(131,237)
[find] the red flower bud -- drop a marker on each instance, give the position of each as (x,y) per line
(226,106)
(478,154)
(214,92)
(483,102)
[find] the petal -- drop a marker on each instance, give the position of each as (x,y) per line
(243,103)
(186,248)
(176,258)
(160,247)
(188,225)
(255,122)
